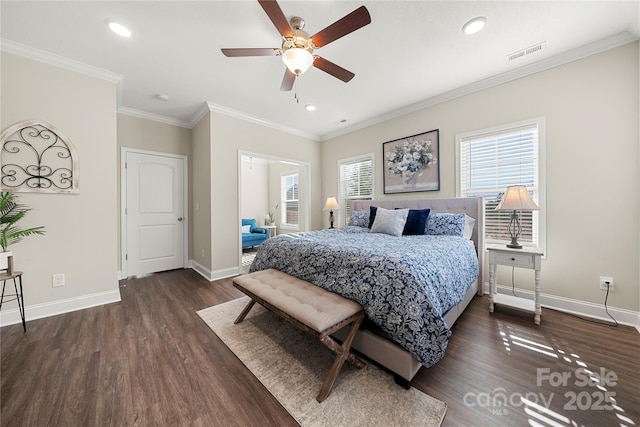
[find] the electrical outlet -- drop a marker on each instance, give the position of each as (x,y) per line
(57,280)
(202,253)
(606,283)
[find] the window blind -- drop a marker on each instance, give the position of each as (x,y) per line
(356,183)
(289,189)
(489,163)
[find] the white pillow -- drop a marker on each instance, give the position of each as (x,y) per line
(246,229)
(468,226)
(390,221)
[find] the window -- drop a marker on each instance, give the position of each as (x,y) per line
(490,160)
(289,199)
(356,183)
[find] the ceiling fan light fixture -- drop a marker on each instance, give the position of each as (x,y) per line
(297,60)
(475,25)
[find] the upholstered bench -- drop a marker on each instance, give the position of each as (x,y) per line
(308,307)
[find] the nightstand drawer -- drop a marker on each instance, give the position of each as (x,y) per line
(515,260)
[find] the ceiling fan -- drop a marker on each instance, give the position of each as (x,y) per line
(297,46)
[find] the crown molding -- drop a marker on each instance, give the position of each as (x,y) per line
(62,62)
(59,61)
(257,120)
(527,70)
(545,64)
(154,117)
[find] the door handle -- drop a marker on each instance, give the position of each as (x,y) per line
(180,218)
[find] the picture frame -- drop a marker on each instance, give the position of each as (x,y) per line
(411,164)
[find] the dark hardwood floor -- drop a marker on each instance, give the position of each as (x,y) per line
(150,360)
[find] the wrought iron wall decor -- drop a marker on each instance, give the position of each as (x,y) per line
(37,157)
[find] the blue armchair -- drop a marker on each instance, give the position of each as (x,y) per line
(255,236)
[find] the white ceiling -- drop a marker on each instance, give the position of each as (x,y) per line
(413,53)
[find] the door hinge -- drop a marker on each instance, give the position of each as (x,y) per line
(126,257)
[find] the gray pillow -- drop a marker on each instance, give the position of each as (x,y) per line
(390,221)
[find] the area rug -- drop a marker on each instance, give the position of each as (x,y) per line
(293,365)
(247,259)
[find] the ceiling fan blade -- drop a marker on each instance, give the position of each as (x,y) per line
(273,11)
(288,80)
(351,22)
(269,51)
(333,69)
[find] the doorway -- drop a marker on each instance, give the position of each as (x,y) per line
(260,190)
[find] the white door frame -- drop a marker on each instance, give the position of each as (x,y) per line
(307,189)
(123,202)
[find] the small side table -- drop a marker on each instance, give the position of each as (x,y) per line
(17,285)
(273,230)
(522,258)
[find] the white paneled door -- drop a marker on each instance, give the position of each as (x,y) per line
(154,213)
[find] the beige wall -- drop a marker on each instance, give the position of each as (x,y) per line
(200,202)
(213,146)
(150,135)
(230,135)
(592,115)
(81,228)
(255,190)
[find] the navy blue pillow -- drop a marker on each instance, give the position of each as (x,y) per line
(416,222)
(372,214)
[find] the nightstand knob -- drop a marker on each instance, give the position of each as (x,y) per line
(513,259)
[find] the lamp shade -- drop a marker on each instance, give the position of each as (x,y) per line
(332,204)
(297,60)
(516,198)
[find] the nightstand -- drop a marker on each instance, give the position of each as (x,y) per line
(273,230)
(520,258)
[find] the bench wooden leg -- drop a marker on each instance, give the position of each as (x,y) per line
(343,353)
(244,312)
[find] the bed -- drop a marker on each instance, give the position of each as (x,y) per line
(413,287)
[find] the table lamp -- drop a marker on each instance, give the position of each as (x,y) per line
(330,206)
(516,198)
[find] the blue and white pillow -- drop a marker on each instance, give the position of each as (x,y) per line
(446,224)
(359,219)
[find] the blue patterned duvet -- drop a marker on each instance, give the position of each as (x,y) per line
(405,284)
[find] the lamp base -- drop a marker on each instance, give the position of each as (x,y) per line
(514,231)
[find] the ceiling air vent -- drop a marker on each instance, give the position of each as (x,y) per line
(526,51)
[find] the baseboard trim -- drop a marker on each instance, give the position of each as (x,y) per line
(38,311)
(214,275)
(578,308)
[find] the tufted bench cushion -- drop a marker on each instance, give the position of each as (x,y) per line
(307,303)
(310,308)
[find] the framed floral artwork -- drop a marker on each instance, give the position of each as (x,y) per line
(411,163)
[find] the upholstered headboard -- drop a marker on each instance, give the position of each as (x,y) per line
(472,206)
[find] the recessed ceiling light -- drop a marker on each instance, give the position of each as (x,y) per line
(475,25)
(119,28)
(310,107)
